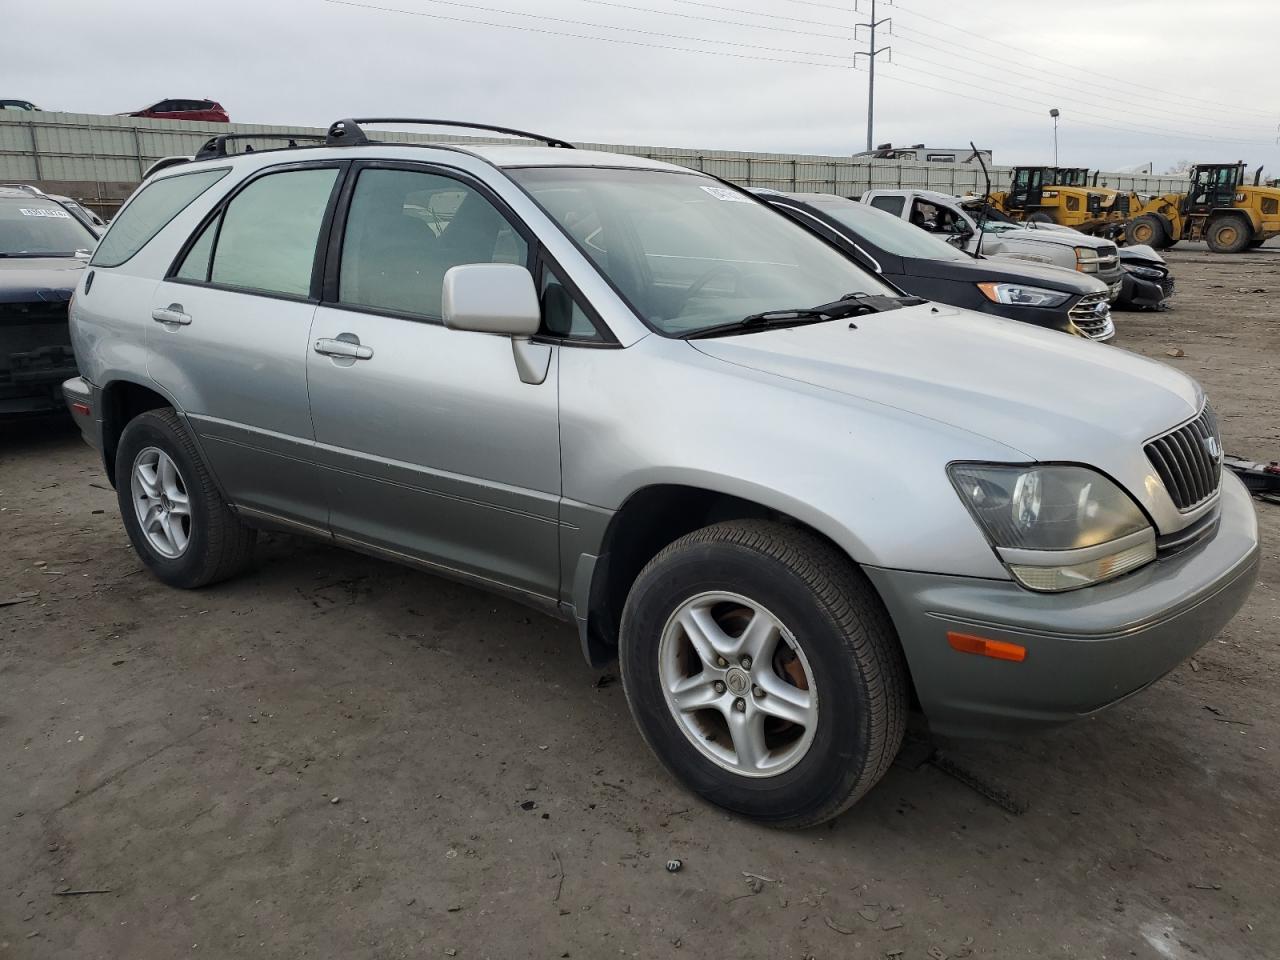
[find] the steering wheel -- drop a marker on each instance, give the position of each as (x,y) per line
(695,288)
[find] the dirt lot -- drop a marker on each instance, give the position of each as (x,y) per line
(331,758)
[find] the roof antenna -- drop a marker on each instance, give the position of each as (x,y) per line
(986,198)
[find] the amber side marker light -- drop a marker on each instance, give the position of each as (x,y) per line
(967,643)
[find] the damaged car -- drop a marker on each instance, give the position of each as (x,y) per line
(1147,283)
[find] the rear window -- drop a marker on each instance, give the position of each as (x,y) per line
(149,212)
(892,205)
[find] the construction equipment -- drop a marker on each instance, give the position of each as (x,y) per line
(1218,207)
(1063,195)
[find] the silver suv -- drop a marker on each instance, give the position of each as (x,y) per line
(793,503)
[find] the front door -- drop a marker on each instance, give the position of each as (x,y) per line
(229,335)
(430,445)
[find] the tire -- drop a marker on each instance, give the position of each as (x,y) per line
(1228,235)
(206,544)
(1149,230)
(845,653)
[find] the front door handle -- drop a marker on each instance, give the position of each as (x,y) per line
(171,314)
(343,348)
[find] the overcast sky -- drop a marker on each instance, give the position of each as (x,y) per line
(1137,81)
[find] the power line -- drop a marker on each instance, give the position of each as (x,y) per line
(758,13)
(727,23)
(1138,127)
(580,36)
(1233,126)
(989,100)
(1089,71)
(638,30)
(1219,110)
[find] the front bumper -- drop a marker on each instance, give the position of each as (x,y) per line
(1086,649)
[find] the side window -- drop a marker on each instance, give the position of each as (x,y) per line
(195,265)
(269,232)
(562,316)
(150,212)
(892,205)
(406,229)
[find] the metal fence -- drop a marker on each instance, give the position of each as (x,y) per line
(99,159)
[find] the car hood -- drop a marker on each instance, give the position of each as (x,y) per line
(1063,238)
(24,280)
(1045,395)
(1005,270)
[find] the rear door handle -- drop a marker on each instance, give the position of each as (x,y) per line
(343,348)
(171,314)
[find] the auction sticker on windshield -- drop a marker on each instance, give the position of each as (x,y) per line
(724,193)
(42,212)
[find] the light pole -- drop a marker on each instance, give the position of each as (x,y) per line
(1053,112)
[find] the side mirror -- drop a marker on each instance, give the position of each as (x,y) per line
(491,298)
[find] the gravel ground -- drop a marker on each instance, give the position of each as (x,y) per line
(333,757)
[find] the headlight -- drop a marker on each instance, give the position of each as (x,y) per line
(1056,527)
(1086,260)
(1148,273)
(1018,295)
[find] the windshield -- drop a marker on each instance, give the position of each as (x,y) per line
(688,253)
(891,234)
(31,227)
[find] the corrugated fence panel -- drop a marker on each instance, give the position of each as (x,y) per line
(104,152)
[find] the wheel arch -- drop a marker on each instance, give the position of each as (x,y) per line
(654,516)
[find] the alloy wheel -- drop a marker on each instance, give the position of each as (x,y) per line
(161,502)
(738,684)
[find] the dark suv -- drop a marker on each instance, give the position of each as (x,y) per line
(43,250)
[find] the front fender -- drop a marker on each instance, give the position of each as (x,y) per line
(871,478)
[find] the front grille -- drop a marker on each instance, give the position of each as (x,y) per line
(1093,323)
(1189,460)
(39,311)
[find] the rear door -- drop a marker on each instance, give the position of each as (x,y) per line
(430,445)
(229,337)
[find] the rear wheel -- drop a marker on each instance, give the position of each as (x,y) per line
(1149,230)
(1228,235)
(172,511)
(763,671)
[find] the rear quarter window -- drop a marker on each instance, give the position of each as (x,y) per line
(150,212)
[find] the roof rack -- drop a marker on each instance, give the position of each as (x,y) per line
(217,146)
(347,133)
(24,187)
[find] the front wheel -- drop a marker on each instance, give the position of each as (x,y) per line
(176,519)
(1228,235)
(1149,230)
(763,670)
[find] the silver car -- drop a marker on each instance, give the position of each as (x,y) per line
(793,504)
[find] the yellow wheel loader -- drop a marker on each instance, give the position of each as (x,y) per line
(1063,195)
(1218,207)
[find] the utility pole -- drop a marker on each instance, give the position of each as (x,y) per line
(871,53)
(1054,113)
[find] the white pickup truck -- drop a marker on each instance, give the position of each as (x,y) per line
(948,217)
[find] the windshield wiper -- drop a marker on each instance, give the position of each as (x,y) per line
(850,305)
